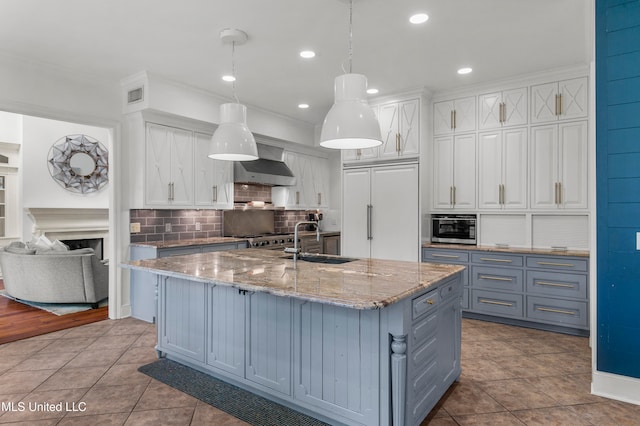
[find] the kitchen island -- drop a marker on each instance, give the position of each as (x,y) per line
(365,342)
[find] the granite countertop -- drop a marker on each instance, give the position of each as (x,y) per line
(547,252)
(361,284)
(192,242)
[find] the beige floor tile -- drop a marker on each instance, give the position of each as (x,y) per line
(567,362)
(206,415)
(51,336)
(440,421)
(172,416)
(489,348)
(138,355)
(21,347)
(105,357)
(483,370)
(525,366)
(470,399)
(91,330)
(7,362)
(23,381)
(550,416)
(128,328)
(112,342)
(491,419)
(110,399)
(517,394)
(124,373)
(75,344)
(116,419)
(531,346)
(44,361)
(148,340)
(566,390)
(158,396)
(73,378)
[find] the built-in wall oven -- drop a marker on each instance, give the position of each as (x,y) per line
(453,228)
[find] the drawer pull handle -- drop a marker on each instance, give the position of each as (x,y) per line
(494,302)
(557,311)
(490,277)
(429,302)
(491,259)
(553,284)
(569,265)
(448,256)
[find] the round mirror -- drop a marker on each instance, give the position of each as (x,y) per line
(82,164)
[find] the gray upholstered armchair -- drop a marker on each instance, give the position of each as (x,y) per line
(75,276)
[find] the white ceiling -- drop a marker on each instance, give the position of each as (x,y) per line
(179,40)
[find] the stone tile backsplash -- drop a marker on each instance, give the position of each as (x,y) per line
(172,225)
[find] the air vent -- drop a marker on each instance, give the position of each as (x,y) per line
(135,95)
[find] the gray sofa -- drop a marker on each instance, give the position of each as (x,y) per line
(74,276)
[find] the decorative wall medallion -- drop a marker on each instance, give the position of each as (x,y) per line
(79,163)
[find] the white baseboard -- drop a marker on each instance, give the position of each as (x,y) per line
(621,388)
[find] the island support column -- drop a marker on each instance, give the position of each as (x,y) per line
(398,377)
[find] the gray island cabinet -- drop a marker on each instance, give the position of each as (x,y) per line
(367,342)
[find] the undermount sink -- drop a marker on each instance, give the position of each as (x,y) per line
(318,258)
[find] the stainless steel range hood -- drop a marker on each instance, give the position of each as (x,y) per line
(268,169)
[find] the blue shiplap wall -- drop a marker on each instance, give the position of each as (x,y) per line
(618,185)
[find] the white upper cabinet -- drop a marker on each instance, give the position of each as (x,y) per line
(454,116)
(501,109)
(502,169)
(169,166)
(454,172)
(561,100)
(400,129)
(559,166)
(311,190)
(213,178)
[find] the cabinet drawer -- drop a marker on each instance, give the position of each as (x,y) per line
(503,279)
(490,302)
(557,284)
(425,303)
(450,289)
(497,259)
(422,330)
(558,311)
(557,263)
(445,256)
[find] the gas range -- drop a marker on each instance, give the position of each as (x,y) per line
(271,242)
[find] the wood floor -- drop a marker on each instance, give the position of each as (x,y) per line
(19,321)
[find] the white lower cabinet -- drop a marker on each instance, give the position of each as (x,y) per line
(502,174)
(454,172)
(559,166)
(381,212)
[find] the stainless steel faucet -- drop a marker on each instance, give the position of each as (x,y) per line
(296,250)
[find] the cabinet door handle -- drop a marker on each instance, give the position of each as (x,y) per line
(319,198)
(560,193)
(449,256)
(297,197)
(502,105)
(556,192)
(169,191)
(568,265)
(494,302)
(550,284)
(492,278)
(452,120)
(560,104)
(454,195)
(358,152)
(455,124)
(451,195)
(214,193)
(429,302)
(556,311)
(492,259)
(398,143)
(369,217)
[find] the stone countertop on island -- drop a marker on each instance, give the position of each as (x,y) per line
(360,284)
(515,250)
(191,242)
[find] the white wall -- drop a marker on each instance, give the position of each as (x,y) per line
(39,189)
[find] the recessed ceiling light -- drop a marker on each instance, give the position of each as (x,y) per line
(419,18)
(228,78)
(372,91)
(303,106)
(307,54)
(465,70)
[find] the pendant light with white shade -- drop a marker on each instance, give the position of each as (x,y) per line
(232,140)
(350,123)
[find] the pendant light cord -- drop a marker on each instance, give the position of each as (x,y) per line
(233,70)
(350,52)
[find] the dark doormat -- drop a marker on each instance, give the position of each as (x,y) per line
(238,402)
